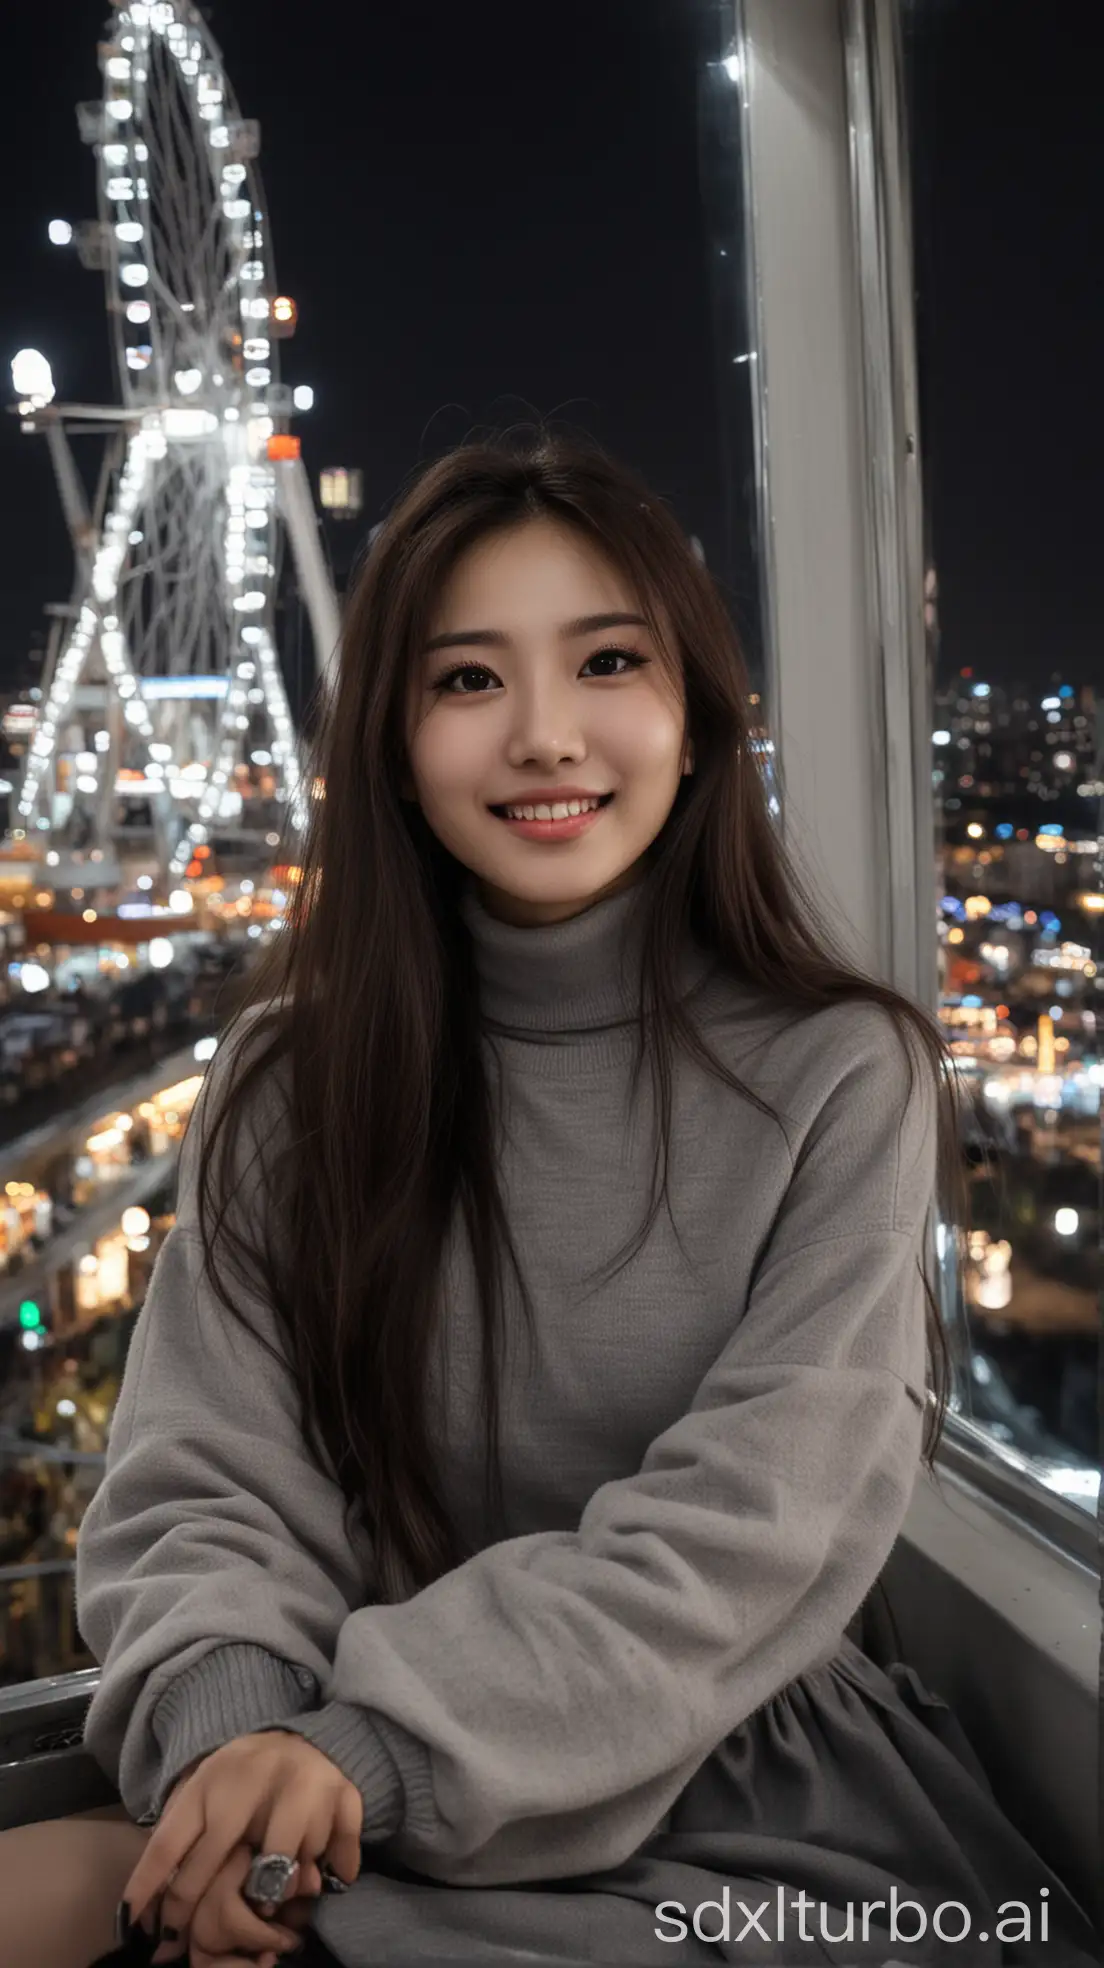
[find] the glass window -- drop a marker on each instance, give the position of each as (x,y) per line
(471,237)
(1005,157)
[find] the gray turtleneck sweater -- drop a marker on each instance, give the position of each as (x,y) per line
(706,1458)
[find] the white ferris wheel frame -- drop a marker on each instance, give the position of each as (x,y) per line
(189,421)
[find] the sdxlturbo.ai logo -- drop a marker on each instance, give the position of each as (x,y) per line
(951,1920)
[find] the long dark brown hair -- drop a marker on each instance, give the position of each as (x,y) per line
(369,993)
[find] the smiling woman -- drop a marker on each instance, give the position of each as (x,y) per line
(586,1619)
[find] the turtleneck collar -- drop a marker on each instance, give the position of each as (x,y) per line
(565,980)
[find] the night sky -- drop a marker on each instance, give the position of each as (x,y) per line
(485,213)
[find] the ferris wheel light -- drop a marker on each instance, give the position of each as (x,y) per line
(119,189)
(59,232)
(258,432)
(137,310)
(233,174)
(256,349)
(254,308)
(236,208)
(188,381)
(119,108)
(248,604)
(303,397)
(32,377)
(135,275)
(258,378)
(140,356)
(189,423)
(117,67)
(115,154)
(129,231)
(220,137)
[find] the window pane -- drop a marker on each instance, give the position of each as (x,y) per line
(476,230)
(1006,152)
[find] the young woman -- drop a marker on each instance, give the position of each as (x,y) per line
(511,1435)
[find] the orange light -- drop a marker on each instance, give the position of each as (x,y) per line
(283,315)
(283,446)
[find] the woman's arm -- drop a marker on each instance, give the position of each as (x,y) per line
(214,1571)
(545,1703)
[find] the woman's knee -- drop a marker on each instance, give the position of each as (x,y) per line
(60,1883)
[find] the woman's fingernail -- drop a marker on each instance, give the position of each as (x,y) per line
(123,1924)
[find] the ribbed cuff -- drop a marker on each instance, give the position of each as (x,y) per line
(232,1691)
(345,1734)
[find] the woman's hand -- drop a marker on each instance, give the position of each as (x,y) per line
(225,1928)
(269,1792)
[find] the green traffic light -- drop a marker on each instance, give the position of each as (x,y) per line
(29,1315)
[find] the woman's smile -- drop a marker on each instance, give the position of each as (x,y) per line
(560,820)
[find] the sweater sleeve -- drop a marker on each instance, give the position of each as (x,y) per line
(213,1570)
(545,1702)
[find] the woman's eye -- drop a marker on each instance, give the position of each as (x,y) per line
(610,655)
(463,670)
(451,677)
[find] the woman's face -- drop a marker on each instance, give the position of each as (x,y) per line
(515,703)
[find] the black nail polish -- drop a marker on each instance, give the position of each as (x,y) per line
(124,1925)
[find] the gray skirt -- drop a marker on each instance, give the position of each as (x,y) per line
(852,1785)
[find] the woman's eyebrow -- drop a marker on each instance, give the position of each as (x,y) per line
(498,639)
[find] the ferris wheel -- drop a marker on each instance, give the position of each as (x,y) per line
(174,608)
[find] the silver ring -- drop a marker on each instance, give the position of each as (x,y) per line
(270,1876)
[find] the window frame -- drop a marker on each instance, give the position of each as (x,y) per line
(847,671)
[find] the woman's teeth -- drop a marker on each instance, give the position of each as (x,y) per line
(563,810)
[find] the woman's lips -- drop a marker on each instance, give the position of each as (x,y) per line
(554,830)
